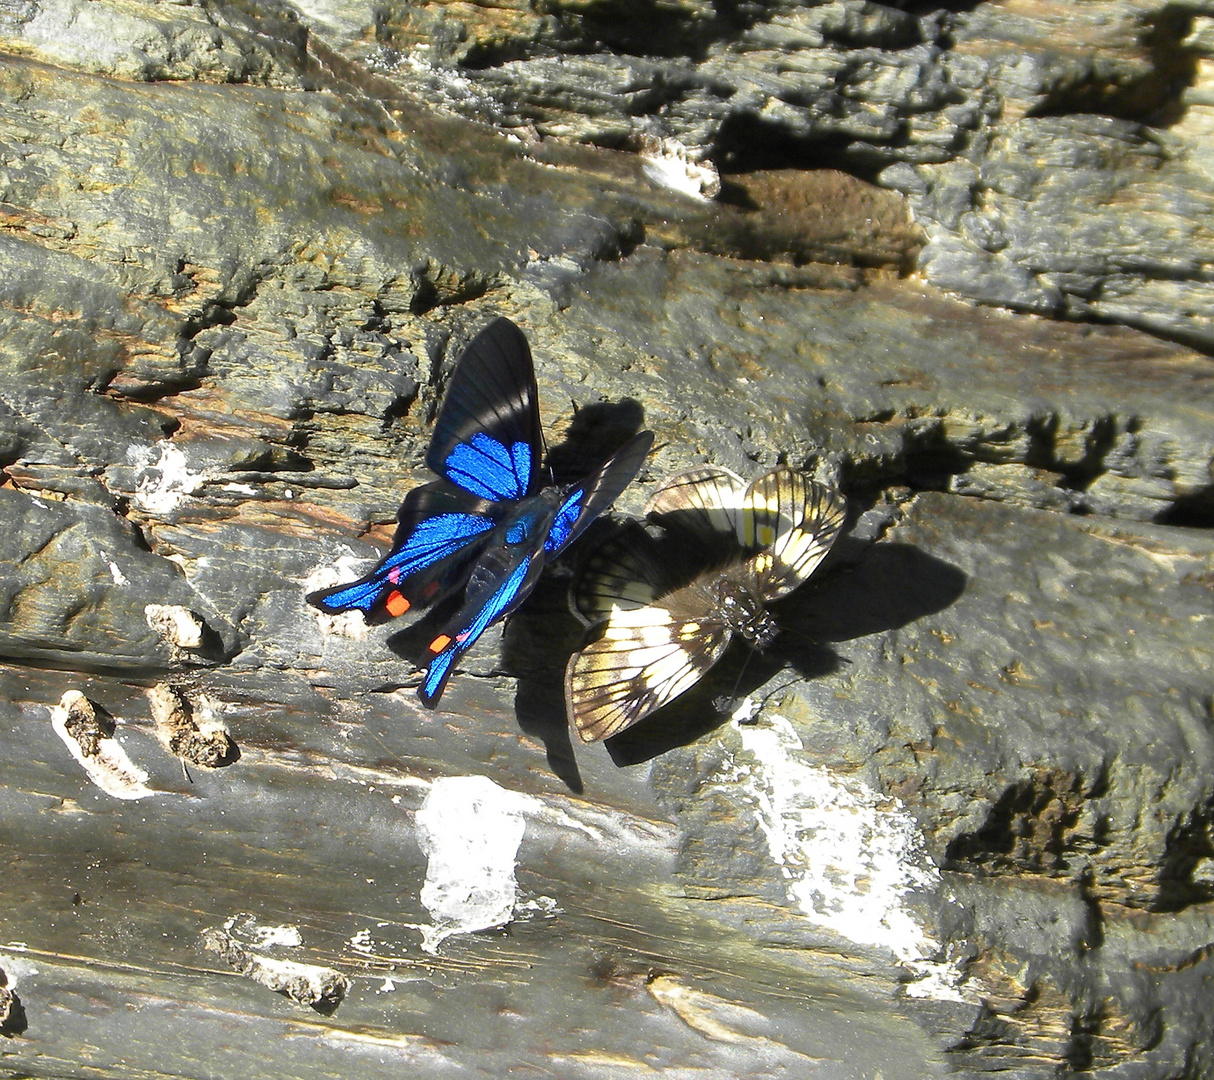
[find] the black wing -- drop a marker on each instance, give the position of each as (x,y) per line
(487,437)
(439,533)
(587,500)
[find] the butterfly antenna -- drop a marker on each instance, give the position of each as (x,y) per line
(757,707)
(801,638)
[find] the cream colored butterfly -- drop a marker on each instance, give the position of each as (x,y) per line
(662,613)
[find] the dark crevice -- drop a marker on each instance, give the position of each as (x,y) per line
(1188,850)
(1150,267)
(13,1021)
(1092,936)
(1030,828)
(642,29)
(62,658)
(458,288)
(629,28)
(425,297)
(214,314)
(1079,1054)
(398,409)
(746,143)
(1154,98)
(129,384)
(930,7)
(1198,338)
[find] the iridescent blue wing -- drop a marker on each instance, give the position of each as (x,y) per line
(587,500)
(504,576)
(439,533)
(487,437)
(501,582)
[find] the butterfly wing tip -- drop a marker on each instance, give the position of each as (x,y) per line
(320,601)
(429,700)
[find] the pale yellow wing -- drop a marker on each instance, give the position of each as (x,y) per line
(705,503)
(642,659)
(791,521)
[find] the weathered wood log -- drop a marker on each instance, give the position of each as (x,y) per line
(957,819)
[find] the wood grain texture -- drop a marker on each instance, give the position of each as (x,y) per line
(963,823)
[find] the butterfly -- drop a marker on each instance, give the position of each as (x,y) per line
(489,525)
(662,612)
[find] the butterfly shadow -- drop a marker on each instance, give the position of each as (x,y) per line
(595,432)
(537,641)
(861,589)
(536,645)
(539,638)
(868,588)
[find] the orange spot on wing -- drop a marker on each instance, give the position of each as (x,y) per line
(440,643)
(397,604)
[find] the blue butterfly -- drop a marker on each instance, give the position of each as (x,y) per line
(488,525)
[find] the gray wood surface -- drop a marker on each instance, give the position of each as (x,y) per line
(961,822)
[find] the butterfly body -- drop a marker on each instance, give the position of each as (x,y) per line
(489,525)
(663,612)
(740,607)
(520,523)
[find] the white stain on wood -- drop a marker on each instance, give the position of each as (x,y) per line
(669,164)
(108,766)
(469,830)
(166,480)
(349,624)
(851,856)
(177,625)
(263,936)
